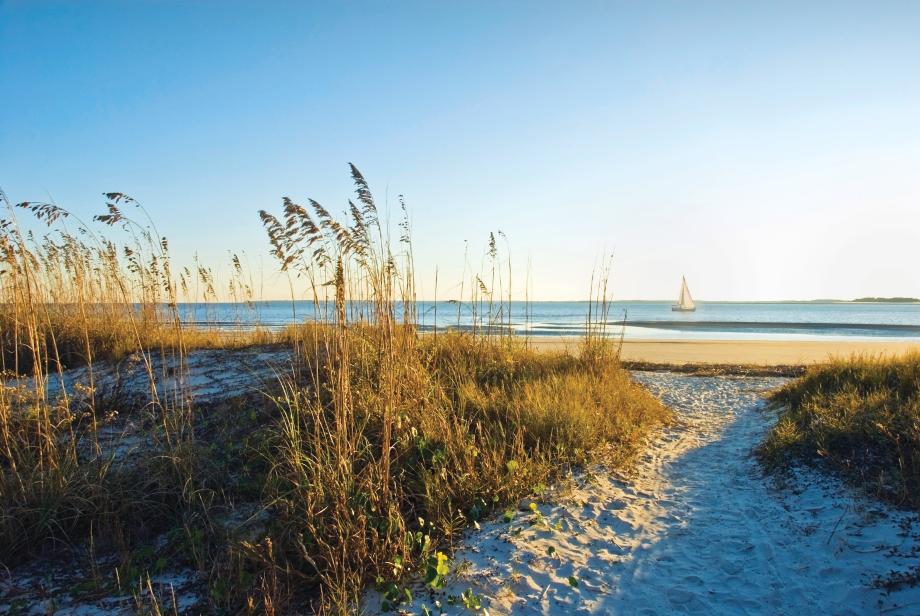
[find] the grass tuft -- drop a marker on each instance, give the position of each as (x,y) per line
(376,448)
(862,417)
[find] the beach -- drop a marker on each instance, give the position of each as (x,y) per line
(692,524)
(693,527)
(739,352)
(621,320)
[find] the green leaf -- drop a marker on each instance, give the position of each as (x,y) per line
(436,570)
(442,564)
(573,581)
(471,600)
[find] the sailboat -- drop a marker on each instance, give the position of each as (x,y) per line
(685,301)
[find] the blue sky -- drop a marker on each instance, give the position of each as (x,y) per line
(765,150)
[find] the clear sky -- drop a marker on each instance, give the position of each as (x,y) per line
(767,150)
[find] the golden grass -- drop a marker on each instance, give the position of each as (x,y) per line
(368,460)
(474,424)
(861,416)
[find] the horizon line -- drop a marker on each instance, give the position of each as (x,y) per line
(880,300)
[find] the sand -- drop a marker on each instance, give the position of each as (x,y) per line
(757,352)
(206,375)
(696,528)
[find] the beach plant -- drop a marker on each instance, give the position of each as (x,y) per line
(401,426)
(859,417)
(368,458)
(87,295)
(471,600)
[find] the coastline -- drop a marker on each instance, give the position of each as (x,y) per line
(739,352)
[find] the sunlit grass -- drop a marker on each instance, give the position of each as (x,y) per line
(369,457)
(862,416)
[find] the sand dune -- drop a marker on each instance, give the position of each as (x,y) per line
(695,529)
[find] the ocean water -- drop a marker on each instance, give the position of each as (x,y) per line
(633,320)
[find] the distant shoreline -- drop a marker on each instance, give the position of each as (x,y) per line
(861,300)
(886,300)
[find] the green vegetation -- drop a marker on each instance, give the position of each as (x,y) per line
(888,300)
(360,467)
(862,417)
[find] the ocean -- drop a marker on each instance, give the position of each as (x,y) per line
(632,319)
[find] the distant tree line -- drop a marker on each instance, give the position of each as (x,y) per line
(889,300)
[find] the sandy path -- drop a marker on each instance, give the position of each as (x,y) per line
(755,352)
(696,528)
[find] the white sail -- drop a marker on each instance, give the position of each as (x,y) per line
(685,301)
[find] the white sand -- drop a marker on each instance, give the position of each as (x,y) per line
(754,352)
(695,529)
(39,589)
(204,375)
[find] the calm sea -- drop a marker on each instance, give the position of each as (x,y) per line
(635,320)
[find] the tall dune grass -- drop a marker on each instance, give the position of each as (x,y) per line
(405,440)
(368,460)
(74,297)
(861,416)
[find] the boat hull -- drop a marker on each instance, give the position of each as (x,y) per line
(681,309)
